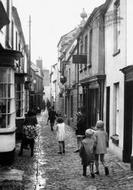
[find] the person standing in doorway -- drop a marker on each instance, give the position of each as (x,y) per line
(52,117)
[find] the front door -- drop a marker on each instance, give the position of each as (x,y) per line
(128,120)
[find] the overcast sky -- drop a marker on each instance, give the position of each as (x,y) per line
(50,19)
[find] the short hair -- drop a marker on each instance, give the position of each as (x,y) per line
(60,120)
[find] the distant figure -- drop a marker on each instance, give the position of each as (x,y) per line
(29,133)
(60,132)
(52,117)
(101,146)
(87,152)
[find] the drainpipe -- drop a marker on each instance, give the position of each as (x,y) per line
(77,76)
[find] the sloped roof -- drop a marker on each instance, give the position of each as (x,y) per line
(18,22)
(68,39)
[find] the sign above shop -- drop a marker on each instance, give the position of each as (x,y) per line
(80,59)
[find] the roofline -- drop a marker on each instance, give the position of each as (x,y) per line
(64,36)
(100,9)
(18,22)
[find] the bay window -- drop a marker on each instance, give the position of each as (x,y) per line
(7,97)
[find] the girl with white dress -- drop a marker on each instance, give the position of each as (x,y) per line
(60,132)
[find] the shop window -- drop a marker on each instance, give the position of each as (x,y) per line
(81,100)
(81,52)
(71,106)
(7,99)
(116,108)
(19,100)
(86,49)
(115,136)
(90,47)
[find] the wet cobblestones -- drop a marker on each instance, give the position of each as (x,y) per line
(51,171)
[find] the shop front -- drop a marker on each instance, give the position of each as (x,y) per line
(128,115)
(93,95)
(7,104)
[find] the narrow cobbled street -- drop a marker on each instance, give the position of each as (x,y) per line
(51,171)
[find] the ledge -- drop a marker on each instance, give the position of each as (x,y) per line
(89,66)
(116,52)
(115,139)
(85,68)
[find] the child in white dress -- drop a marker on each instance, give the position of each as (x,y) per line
(60,132)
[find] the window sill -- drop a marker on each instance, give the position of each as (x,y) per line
(116,52)
(85,68)
(89,66)
(115,139)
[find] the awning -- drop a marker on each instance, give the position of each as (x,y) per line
(10,53)
(20,77)
(4,20)
(128,72)
(7,56)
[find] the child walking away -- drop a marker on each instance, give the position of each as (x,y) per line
(87,151)
(60,132)
(101,146)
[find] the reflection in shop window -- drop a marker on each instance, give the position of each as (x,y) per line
(19,100)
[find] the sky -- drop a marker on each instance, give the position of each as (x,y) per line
(50,19)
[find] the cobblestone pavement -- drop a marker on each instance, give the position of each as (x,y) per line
(51,171)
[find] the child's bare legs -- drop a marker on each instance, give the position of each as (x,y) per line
(61,147)
(97,163)
(103,163)
(84,170)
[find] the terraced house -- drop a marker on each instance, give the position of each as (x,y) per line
(104,68)
(118,69)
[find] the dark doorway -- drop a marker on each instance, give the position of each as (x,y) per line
(128,120)
(92,107)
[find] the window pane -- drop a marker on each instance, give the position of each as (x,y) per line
(2,90)
(6,96)
(19,100)
(2,120)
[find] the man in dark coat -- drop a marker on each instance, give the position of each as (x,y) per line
(52,117)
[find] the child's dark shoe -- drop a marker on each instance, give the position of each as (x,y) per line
(97,173)
(92,175)
(84,174)
(106,171)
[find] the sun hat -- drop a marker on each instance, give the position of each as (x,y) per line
(89,132)
(100,124)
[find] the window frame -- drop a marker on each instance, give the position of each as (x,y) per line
(7,98)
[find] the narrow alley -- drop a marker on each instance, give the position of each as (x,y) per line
(51,171)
